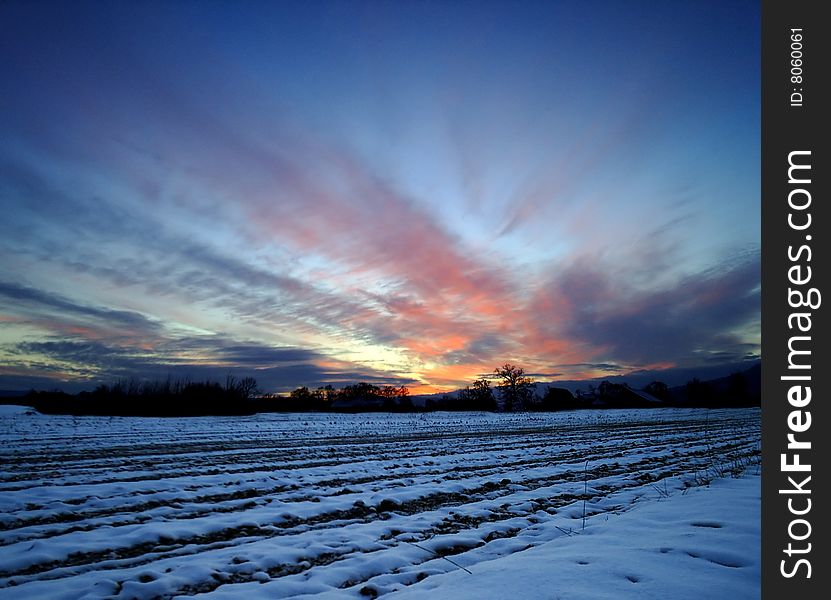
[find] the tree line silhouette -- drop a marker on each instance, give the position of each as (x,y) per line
(512,391)
(360,397)
(165,398)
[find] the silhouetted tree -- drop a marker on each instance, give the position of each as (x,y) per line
(557,399)
(658,389)
(515,388)
(247,388)
(738,390)
(244,389)
(359,391)
(699,393)
(483,395)
(478,397)
(303,400)
(300,399)
(328,392)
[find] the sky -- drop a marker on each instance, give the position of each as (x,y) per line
(394,192)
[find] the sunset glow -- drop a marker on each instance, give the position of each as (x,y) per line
(402,193)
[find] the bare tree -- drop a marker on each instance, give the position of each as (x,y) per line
(247,387)
(515,388)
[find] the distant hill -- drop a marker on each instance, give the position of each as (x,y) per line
(675,377)
(742,388)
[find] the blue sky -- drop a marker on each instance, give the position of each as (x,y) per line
(408,192)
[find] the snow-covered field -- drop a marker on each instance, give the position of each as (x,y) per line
(358,506)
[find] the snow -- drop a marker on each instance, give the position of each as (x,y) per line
(703,544)
(354,506)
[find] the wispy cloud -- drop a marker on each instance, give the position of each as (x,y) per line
(416,206)
(674,323)
(38,302)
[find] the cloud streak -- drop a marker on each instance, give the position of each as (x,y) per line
(303,202)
